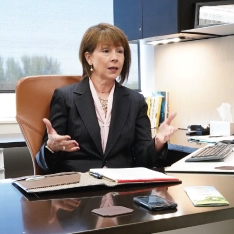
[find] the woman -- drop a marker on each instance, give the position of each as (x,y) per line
(98,122)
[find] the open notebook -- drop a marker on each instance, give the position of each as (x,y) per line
(132,175)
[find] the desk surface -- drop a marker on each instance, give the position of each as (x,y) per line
(224,166)
(69,211)
(181,139)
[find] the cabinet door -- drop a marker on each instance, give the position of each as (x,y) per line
(128,17)
(160,17)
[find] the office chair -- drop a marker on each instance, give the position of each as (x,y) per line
(33,96)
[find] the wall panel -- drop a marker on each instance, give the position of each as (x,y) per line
(199,76)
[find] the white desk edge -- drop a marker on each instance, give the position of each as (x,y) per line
(182,166)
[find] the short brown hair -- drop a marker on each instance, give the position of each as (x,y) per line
(100,33)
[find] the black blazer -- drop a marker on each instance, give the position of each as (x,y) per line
(129,141)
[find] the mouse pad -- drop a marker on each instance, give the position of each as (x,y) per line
(225,168)
(112,211)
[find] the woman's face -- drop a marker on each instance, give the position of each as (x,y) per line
(107,60)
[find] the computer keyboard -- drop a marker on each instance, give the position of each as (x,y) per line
(211,153)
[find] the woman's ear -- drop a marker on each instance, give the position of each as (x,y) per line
(88,58)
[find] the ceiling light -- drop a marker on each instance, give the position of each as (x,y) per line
(166,41)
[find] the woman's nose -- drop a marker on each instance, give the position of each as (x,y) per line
(114,56)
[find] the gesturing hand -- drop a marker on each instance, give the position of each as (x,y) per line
(57,142)
(164,132)
(66,204)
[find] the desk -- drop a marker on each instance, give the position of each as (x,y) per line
(8,141)
(179,147)
(208,167)
(32,214)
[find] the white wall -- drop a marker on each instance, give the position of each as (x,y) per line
(7,106)
(147,68)
(17,161)
(199,76)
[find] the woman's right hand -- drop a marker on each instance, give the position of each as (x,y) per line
(65,204)
(57,142)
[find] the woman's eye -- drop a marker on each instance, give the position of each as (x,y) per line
(105,51)
(120,51)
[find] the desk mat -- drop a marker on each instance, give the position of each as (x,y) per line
(85,180)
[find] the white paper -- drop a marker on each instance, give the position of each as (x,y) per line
(135,174)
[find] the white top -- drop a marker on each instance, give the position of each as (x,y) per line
(103,119)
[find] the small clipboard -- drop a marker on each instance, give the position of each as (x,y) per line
(46,181)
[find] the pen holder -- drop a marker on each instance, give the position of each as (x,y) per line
(221,128)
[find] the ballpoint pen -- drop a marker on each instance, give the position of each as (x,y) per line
(96,175)
(99,176)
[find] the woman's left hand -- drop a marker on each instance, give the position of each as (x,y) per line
(165,131)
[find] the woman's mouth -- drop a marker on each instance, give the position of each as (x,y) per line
(113,68)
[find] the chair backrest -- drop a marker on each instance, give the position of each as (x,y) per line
(33,96)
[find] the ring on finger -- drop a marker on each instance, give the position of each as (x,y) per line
(64,148)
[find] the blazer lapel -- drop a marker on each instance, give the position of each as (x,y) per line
(120,110)
(85,105)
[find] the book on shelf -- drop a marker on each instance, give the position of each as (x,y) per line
(164,112)
(133,175)
(147,99)
(155,111)
(158,107)
(154,132)
(154,108)
(205,196)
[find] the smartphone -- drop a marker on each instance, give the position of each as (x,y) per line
(154,202)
